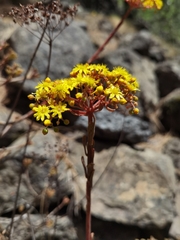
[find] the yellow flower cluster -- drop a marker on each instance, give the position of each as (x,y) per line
(158,4)
(89,88)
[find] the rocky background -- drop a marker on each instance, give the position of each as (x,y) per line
(137,161)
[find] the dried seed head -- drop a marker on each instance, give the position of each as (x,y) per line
(47,14)
(50,192)
(27,162)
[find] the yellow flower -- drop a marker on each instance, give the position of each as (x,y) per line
(58,110)
(41,94)
(152,4)
(45,85)
(158,4)
(100,68)
(120,72)
(86,81)
(61,89)
(72,83)
(113,92)
(120,76)
(80,68)
(90,88)
(42,112)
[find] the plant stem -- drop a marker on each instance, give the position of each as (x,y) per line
(100,49)
(49,57)
(89,172)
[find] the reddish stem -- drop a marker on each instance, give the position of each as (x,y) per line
(89,172)
(89,169)
(100,49)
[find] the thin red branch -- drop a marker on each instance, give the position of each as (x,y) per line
(100,49)
(89,172)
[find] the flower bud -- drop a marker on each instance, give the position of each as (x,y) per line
(135,111)
(114,100)
(47,122)
(66,121)
(48,80)
(122,101)
(71,103)
(56,129)
(31,97)
(45,131)
(135,98)
(31,105)
(79,95)
(99,89)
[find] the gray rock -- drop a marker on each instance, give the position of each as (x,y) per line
(144,43)
(168,76)
(7,28)
(174,230)
(41,227)
(130,187)
(15,130)
(9,175)
(141,42)
(72,46)
(109,127)
(45,152)
(137,188)
(172,149)
(168,111)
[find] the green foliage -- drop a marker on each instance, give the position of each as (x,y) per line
(165,23)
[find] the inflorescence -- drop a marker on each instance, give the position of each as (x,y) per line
(90,88)
(157,4)
(53,17)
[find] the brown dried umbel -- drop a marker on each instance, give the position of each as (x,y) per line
(52,17)
(7,67)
